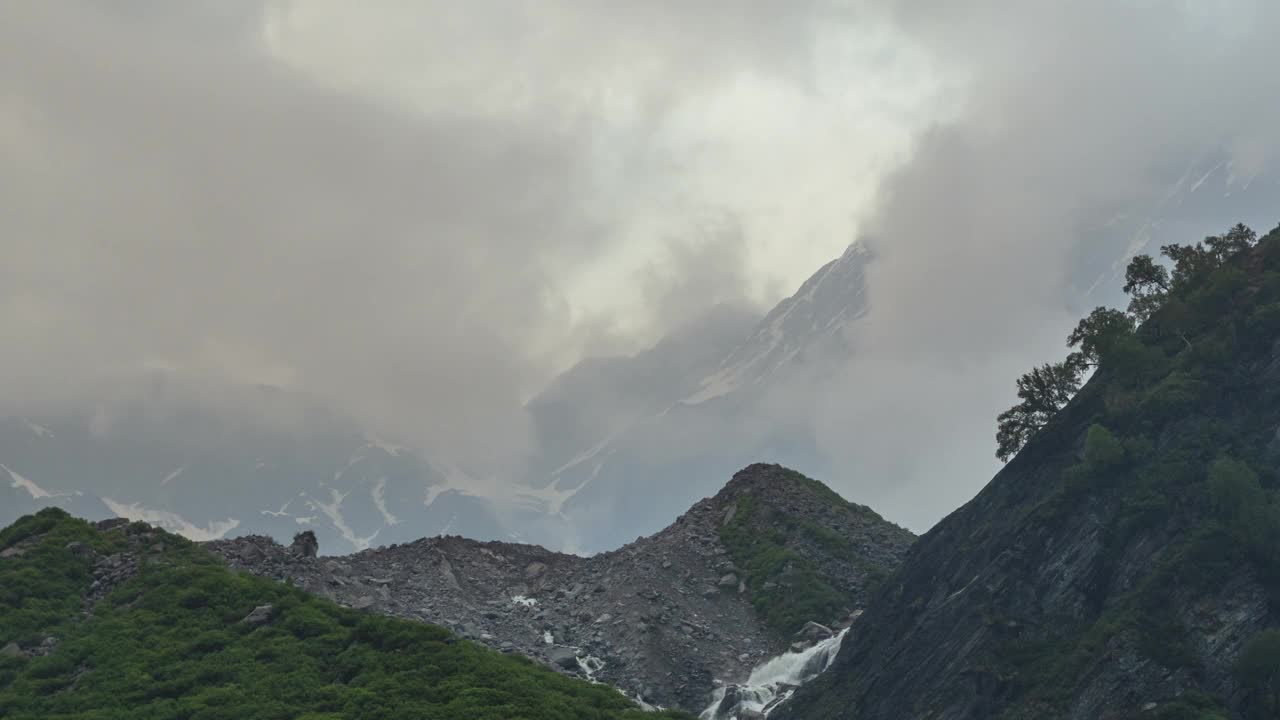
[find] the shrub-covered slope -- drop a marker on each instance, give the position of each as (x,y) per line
(1126,563)
(806,553)
(124,621)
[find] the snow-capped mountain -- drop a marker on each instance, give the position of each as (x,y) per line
(814,319)
(715,417)
(275,465)
(1205,196)
(755,404)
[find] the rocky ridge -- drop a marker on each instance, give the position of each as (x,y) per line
(665,618)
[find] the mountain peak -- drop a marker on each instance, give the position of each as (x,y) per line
(810,322)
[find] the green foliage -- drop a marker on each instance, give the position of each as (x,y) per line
(1186,459)
(1041,393)
(1164,306)
(1258,671)
(1178,392)
(1247,510)
(1146,283)
(787,589)
(170,644)
(1095,334)
(1102,450)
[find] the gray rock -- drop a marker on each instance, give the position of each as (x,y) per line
(261,615)
(305,545)
(80,550)
(563,657)
(12,651)
(534,570)
(813,631)
(729,580)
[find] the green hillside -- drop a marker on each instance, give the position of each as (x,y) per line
(172,641)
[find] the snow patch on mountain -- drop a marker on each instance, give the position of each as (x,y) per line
(282,512)
(823,306)
(39,430)
(333,511)
(172,522)
(373,441)
(379,494)
(497,490)
(36,492)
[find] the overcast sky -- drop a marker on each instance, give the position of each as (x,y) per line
(423,210)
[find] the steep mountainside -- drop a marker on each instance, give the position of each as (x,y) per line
(664,618)
(121,620)
(1121,565)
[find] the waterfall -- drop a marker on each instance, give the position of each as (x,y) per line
(773,681)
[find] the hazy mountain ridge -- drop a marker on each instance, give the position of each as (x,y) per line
(265,461)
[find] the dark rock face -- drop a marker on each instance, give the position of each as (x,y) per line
(1081,595)
(993,575)
(662,618)
(305,545)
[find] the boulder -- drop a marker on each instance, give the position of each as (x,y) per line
(563,657)
(729,580)
(261,615)
(305,545)
(12,651)
(813,632)
(534,570)
(80,550)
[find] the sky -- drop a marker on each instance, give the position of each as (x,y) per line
(422,211)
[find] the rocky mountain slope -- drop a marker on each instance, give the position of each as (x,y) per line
(1121,565)
(121,620)
(666,618)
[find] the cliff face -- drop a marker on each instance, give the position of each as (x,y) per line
(1120,563)
(662,618)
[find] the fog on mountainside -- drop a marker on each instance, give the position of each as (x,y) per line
(790,359)
(464,263)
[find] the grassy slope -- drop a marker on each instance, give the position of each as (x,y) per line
(169,644)
(797,591)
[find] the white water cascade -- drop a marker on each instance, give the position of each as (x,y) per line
(773,681)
